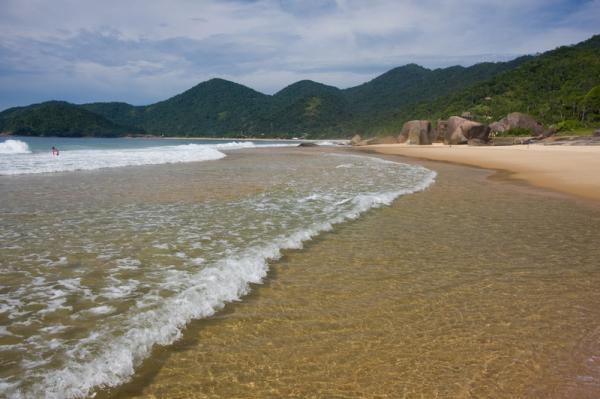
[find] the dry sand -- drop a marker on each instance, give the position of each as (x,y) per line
(568,169)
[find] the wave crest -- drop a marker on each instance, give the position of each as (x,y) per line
(14,147)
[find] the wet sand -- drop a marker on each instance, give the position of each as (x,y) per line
(568,169)
(474,288)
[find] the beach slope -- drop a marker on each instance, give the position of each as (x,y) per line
(568,169)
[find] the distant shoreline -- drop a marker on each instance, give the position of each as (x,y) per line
(152,137)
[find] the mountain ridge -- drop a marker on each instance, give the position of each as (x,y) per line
(219,107)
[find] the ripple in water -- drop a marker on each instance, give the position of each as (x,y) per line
(88,291)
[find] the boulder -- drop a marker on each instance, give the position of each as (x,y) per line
(477,142)
(460,131)
(417,132)
(497,127)
(307,144)
(596,133)
(381,140)
(522,121)
(442,127)
(356,140)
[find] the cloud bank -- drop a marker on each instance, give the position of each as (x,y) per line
(143,51)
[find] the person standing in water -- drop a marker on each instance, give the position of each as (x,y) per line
(55,151)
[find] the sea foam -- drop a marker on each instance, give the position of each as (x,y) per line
(14,147)
(98,159)
(105,359)
(20,160)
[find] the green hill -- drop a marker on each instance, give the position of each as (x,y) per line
(554,87)
(378,104)
(57,118)
(305,108)
(213,108)
(561,86)
(118,112)
(308,108)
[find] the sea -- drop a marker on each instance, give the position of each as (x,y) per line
(109,250)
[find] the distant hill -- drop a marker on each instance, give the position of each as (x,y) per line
(306,108)
(58,118)
(558,86)
(554,87)
(378,104)
(211,108)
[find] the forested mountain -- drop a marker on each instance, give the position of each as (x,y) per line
(58,118)
(305,108)
(214,107)
(308,108)
(398,90)
(556,86)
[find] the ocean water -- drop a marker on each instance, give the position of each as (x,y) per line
(26,155)
(112,248)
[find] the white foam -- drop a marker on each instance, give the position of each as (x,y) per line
(128,263)
(103,309)
(98,159)
(14,147)
(207,291)
(4,331)
(113,292)
(106,359)
(234,145)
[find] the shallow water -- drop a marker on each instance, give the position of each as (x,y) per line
(99,267)
(472,289)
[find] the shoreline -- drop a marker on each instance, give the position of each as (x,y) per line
(571,170)
(153,137)
(375,292)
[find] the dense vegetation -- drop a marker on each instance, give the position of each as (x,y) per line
(58,118)
(306,108)
(560,87)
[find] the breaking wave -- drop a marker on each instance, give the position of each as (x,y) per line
(90,159)
(14,147)
(107,359)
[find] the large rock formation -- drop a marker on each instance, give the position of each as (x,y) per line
(460,131)
(381,140)
(441,128)
(417,132)
(356,140)
(521,121)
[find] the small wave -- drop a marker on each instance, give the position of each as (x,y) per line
(208,291)
(104,359)
(234,145)
(14,147)
(98,159)
(91,159)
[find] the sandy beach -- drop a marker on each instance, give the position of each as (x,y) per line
(567,169)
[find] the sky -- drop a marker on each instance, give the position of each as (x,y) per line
(143,51)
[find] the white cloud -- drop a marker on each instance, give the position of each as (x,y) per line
(141,51)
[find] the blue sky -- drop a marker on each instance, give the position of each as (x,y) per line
(142,51)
